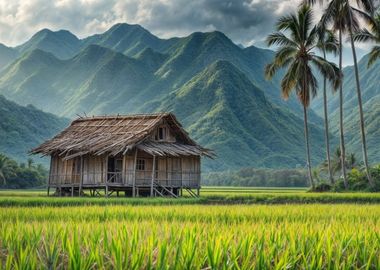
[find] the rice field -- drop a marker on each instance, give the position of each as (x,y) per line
(119,233)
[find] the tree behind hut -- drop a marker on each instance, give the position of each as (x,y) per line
(296,39)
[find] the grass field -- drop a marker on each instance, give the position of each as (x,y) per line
(212,232)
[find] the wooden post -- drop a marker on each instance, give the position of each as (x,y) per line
(153,175)
(81,176)
(72,191)
(106,179)
(181,173)
(50,170)
(134,175)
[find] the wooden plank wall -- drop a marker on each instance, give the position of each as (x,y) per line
(128,168)
(94,170)
(169,170)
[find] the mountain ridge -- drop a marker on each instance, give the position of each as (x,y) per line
(105,80)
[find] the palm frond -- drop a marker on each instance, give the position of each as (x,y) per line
(363,35)
(279,39)
(284,54)
(366,5)
(373,55)
(329,70)
(290,79)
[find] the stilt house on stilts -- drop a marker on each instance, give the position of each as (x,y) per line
(140,155)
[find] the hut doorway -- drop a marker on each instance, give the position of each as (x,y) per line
(114,171)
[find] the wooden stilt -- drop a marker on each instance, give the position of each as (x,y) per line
(198,192)
(72,191)
(153,175)
(106,191)
(117,193)
(81,176)
(48,180)
(134,175)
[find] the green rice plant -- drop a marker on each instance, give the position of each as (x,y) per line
(295,236)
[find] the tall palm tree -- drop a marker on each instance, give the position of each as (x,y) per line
(344,17)
(327,42)
(350,163)
(30,163)
(4,168)
(296,39)
(371,35)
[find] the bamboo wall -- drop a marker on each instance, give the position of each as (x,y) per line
(169,171)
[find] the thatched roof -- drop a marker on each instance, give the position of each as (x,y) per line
(119,134)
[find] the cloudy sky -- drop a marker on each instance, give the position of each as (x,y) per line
(246,22)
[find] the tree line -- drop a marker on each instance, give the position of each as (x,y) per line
(302,48)
(21,175)
(257,177)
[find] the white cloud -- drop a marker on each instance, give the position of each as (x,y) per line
(245,21)
(242,20)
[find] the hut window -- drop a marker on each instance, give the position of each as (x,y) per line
(119,165)
(160,134)
(140,165)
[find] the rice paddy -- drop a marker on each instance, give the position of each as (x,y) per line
(143,233)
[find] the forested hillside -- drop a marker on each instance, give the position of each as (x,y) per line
(22,128)
(216,88)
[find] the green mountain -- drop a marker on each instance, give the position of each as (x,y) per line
(205,78)
(89,82)
(22,128)
(7,55)
(62,43)
(129,39)
(223,110)
(369,79)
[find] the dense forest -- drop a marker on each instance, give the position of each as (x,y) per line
(252,177)
(21,175)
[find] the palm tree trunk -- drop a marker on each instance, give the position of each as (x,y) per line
(361,114)
(341,128)
(308,147)
(331,178)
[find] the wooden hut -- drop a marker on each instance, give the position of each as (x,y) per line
(141,155)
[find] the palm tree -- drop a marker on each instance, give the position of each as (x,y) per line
(371,35)
(30,163)
(344,17)
(297,39)
(327,43)
(4,168)
(350,162)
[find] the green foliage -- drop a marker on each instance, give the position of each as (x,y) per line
(22,128)
(357,181)
(190,237)
(369,78)
(252,177)
(20,175)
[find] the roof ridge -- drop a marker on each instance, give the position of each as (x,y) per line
(120,116)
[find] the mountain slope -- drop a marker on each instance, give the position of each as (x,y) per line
(128,39)
(7,55)
(90,82)
(185,57)
(22,128)
(62,43)
(169,75)
(223,110)
(369,79)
